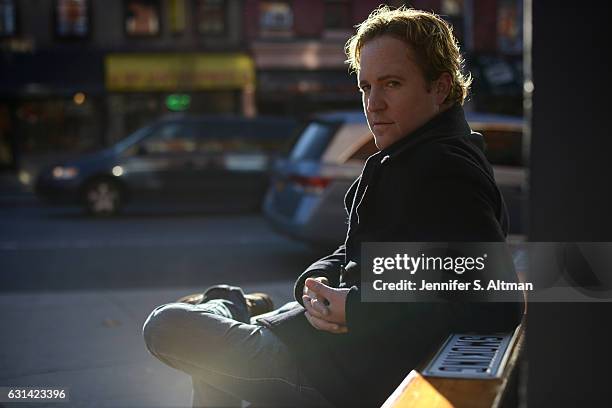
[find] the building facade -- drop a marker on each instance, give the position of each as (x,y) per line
(297,46)
(81,74)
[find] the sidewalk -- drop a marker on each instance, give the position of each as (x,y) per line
(13,192)
(91,342)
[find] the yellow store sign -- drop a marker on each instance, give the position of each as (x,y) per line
(171,72)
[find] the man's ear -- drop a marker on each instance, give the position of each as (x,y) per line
(442,87)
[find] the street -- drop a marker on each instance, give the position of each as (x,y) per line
(75,291)
(60,248)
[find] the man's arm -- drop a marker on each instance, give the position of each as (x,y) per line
(329,267)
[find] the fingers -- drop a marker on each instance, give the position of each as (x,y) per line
(320,289)
(308,292)
(315,307)
(323,279)
(322,302)
(319,304)
(313,284)
(324,325)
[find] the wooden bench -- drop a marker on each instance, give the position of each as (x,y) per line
(430,387)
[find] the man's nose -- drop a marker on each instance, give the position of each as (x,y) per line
(376,101)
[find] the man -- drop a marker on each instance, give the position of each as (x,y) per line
(429,182)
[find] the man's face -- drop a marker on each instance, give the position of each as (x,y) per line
(395,96)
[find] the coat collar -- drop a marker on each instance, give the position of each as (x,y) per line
(449,123)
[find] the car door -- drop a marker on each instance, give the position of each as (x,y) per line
(230,168)
(245,162)
(160,167)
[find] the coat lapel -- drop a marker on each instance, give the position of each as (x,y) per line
(357,206)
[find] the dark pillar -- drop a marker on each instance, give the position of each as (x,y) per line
(569,347)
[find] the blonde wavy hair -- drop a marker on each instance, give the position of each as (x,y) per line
(436,48)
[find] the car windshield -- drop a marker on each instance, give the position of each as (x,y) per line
(132,139)
(312,142)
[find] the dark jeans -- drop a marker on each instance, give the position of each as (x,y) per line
(228,360)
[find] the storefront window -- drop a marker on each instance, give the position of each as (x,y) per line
(509,26)
(452,11)
(72,18)
(142,17)
(275,18)
(337,15)
(58,124)
(8,18)
(211,17)
(176,16)
(452,8)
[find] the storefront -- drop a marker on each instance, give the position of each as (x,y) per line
(302,77)
(143,87)
(50,102)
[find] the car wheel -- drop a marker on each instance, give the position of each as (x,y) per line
(103,197)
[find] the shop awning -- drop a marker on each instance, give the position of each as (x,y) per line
(171,72)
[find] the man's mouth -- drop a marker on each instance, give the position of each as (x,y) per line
(381,123)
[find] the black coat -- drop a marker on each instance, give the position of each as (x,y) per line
(433,185)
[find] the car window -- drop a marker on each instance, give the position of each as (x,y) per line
(312,142)
(239,136)
(502,147)
(228,145)
(216,129)
(170,138)
(274,136)
(132,139)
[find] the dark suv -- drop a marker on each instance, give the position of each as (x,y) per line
(207,160)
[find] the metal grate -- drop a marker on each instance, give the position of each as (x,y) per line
(470,356)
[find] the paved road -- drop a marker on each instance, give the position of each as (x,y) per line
(61,249)
(75,291)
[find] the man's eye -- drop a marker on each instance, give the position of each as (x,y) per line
(393,84)
(365,88)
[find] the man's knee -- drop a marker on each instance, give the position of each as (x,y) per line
(189,338)
(161,324)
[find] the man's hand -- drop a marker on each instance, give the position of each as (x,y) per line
(325,306)
(319,306)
